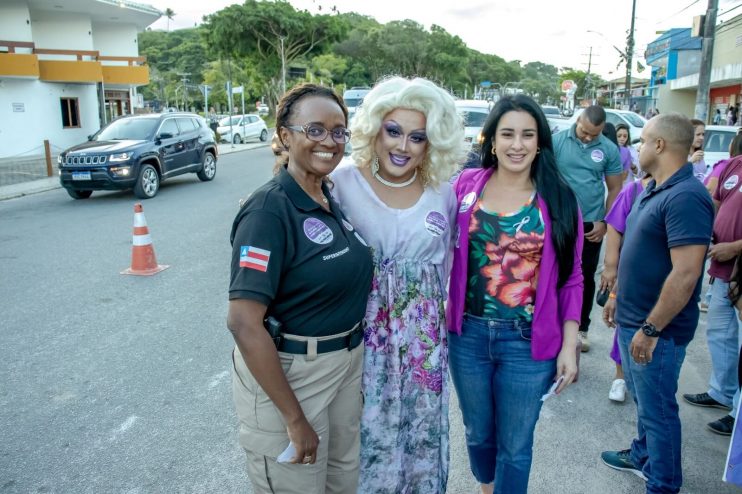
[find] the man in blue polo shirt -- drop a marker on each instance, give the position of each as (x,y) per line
(586,158)
(659,281)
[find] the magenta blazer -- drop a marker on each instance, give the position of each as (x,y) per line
(552,306)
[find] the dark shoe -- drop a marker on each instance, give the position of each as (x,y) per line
(724,426)
(621,460)
(704,400)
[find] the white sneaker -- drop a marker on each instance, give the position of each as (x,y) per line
(618,390)
(582,335)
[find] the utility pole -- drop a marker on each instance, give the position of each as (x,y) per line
(629,58)
(707,55)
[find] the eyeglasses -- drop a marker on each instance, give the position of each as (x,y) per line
(318,133)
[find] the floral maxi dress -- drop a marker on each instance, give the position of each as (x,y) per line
(404,427)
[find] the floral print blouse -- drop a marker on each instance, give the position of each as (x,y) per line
(504,256)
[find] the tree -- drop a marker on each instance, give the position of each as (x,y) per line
(271,34)
(169,13)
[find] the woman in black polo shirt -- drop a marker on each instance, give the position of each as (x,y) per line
(298,263)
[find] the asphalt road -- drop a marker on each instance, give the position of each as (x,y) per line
(121,384)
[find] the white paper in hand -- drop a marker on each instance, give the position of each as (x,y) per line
(552,389)
(287,454)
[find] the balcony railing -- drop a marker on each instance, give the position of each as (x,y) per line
(70,65)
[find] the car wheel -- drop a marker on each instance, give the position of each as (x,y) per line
(208,170)
(237,139)
(79,194)
(264,136)
(148,183)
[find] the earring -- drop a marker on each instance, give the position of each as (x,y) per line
(375,166)
(538,150)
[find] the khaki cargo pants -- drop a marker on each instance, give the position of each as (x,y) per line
(329,391)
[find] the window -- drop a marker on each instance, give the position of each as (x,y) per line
(186,125)
(70,113)
(169,127)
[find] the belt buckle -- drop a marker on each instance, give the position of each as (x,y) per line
(354,338)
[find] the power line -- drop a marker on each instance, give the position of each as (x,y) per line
(729,10)
(679,12)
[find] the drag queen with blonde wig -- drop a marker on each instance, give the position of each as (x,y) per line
(407,142)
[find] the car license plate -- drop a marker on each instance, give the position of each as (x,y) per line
(80,175)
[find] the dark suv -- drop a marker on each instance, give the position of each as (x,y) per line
(139,152)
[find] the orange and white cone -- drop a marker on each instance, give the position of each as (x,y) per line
(143,260)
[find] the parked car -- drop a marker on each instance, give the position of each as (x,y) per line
(353,97)
(263,109)
(474,113)
(551,111)
(243,127)
(633,121)
(139,152)
(716,142)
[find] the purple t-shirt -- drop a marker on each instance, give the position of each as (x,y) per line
(716,171)
(621,208)
(728,222)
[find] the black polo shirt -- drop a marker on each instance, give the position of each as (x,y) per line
(310,267)
(679,212)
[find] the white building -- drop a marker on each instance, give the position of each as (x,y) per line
(66,68)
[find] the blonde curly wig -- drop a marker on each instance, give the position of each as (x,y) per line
(443,125)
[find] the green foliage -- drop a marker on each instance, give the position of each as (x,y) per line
(245,44)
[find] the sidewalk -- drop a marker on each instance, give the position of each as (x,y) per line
(51,183)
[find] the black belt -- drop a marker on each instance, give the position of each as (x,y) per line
(349,341)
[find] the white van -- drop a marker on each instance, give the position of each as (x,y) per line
(353,97)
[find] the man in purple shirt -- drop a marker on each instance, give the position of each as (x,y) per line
(723,327)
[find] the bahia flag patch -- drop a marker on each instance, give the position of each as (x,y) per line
(254,258)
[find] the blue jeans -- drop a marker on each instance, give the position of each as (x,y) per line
(722,334)
(499,387)
(656,449)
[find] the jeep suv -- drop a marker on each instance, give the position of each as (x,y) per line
(139,152)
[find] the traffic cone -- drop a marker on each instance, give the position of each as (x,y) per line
(143,260)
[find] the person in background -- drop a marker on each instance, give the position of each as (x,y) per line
(300,278)
(695,156)
(657,301)
(629,155)
(515,293)
(213,119)
(712,179)
(717,118)
(723,327)
(616,220)
(407,142)
(586,158)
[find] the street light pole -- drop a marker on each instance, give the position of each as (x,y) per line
(629,55)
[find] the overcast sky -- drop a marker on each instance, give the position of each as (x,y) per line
(550,31)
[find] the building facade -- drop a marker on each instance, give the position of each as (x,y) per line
(66,69)
(676,60)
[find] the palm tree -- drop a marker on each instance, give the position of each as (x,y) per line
(169,13)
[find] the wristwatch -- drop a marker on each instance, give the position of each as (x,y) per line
(650,329)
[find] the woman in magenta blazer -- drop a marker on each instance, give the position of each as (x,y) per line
(515,292)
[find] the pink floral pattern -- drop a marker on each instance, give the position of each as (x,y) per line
(504,255)
(404,381)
